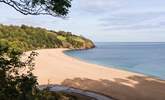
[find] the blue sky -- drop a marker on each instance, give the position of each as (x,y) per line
(102,20)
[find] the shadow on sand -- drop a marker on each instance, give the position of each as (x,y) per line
(143,88)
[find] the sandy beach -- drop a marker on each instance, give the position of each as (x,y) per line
(58,68)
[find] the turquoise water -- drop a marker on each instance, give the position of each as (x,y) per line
(146,58)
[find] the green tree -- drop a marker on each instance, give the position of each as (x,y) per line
(57,8)
(17,81)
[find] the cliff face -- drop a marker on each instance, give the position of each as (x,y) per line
(73,41)
(30,38)
(84,44)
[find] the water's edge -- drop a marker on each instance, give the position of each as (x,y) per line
(66,52)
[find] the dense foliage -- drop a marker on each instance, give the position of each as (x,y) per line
(16,79)
(29,38)
(57,8)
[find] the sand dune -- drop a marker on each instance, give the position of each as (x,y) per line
(58,68)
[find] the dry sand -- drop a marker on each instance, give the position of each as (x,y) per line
(58,68)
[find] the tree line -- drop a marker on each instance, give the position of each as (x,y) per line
(30,38)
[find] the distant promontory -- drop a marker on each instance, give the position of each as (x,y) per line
(30,38)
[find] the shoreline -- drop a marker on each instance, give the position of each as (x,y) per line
(113,67)
(142,74)
(57,67)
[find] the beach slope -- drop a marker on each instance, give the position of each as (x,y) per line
(54,67)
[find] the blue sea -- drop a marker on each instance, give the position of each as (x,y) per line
(146,58)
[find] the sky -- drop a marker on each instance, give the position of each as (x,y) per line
(102,20)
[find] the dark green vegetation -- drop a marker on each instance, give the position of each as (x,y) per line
(14,84)
(29,38)
(56,8)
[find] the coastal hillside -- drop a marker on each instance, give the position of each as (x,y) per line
(30,38)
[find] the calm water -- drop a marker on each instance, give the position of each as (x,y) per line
(146,58)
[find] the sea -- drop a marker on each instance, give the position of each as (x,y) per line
(142,57)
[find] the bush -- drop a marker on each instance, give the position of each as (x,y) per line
(15,82)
